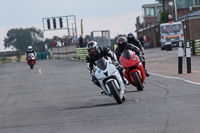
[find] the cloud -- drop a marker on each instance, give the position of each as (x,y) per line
(3,30)
(118,24)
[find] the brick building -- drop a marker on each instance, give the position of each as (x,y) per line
(185,11)
(191,25)
(182,7)
(151,17)
(151,13)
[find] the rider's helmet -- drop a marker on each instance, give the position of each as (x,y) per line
(92,48)
(130,37)
(30,48)
(122,42)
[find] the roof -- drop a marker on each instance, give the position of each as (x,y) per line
(159,0)
(151,5)
(147,27)
(193,14)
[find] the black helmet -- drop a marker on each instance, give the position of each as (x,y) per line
(122,41)
(92,47)
(130,37)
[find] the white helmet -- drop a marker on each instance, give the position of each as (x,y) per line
(30,47)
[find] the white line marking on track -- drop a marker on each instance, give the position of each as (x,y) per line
(176,78)
(40,71)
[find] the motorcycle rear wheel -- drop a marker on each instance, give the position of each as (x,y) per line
(137,81)
(115,92)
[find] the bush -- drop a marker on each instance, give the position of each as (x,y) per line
(164,17)
(18,56)
(5,60)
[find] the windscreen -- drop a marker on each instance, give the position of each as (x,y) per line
(30,54)
(171,29)
(127,54)
(101,63)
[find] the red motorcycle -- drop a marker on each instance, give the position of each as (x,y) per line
(31,60)
(134,70)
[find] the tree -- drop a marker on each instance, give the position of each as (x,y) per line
(18,56)
(49,42)
(164,17)
(22,38)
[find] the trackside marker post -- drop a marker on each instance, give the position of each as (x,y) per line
(180,58)
(188,57)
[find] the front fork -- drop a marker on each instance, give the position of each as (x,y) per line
(118,83)
(131,74)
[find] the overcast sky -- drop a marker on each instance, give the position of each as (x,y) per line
(118,16)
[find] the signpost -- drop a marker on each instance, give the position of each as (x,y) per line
(61,23)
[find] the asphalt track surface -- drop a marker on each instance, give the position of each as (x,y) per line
(57,96)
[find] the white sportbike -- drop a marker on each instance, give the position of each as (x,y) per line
(110,79)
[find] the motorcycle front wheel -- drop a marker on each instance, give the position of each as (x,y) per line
(137,81)
(115,92)
(31,66)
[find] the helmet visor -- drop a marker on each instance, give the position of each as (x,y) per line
(122,45)
(92,50)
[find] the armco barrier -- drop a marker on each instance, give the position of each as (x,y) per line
(81,53)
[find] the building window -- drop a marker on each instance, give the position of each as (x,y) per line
(196,2)
(185,3)
(150,11)
(159,11)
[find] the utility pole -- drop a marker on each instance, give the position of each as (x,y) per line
(175,9)
(171,8)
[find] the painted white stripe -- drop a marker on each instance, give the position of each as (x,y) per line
(40,71)
(188,52)
(176,78)
(180,52)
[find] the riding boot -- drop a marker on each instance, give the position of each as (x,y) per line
(125,81)
(147,74)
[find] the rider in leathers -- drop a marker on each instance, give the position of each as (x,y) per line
(95,53)
(123,45)
(30,50)
(131,39)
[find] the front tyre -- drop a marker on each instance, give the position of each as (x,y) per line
(114,92)
(31,66)
(137,81)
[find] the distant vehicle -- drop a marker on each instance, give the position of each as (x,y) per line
(31,60)
(171,33)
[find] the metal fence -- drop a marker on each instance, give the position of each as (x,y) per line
(102,37)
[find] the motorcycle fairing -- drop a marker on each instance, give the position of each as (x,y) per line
(126,58)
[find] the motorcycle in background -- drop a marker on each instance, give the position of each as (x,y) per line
(31,60)
(109,79)
(134,70)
